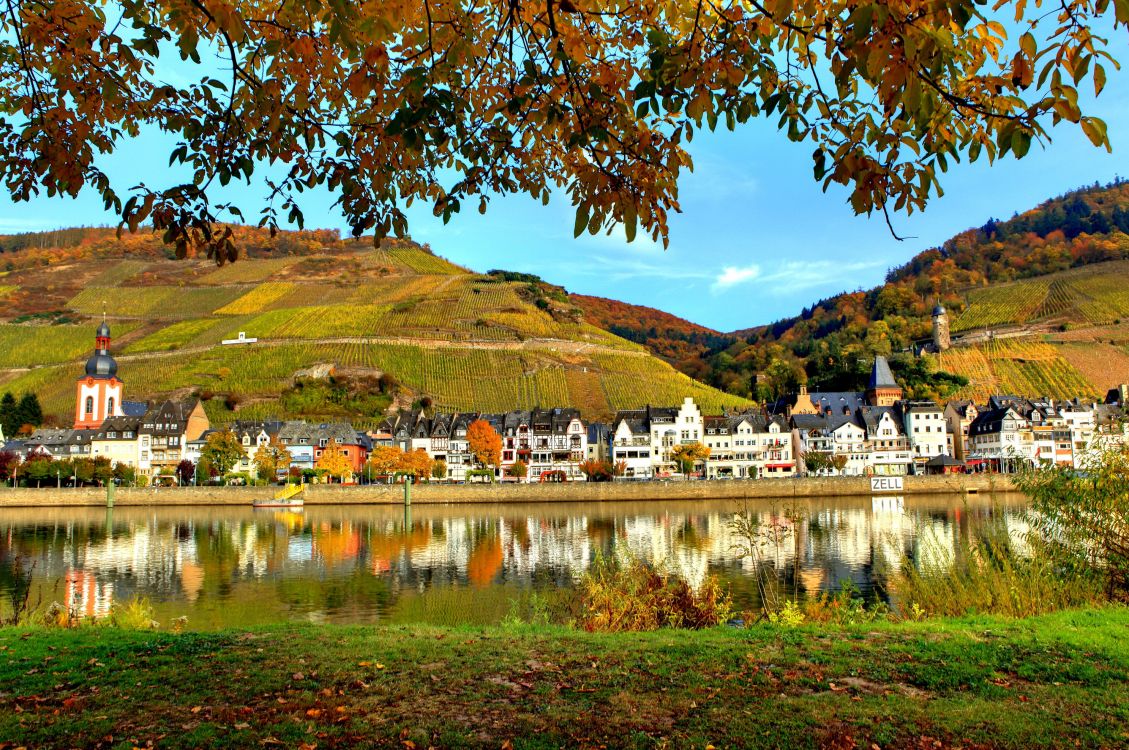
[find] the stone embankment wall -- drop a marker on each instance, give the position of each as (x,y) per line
(814,487)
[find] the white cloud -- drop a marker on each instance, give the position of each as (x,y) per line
(731,276)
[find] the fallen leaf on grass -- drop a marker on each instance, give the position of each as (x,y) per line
(242,725)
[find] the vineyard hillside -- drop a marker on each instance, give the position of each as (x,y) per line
(343,331)
(1054,279)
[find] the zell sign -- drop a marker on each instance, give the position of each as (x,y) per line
(885,484)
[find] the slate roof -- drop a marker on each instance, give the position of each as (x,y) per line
(168,418)
(872,416)
(880,375)
(118,426)
(840,402)
(990,421)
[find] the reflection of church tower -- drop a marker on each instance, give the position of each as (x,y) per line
(99,392)
(940,328)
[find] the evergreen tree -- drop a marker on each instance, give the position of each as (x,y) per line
(28,411)
(8,415)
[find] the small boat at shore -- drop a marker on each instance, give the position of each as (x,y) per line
(290,498)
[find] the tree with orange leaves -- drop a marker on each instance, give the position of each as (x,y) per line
(416,463)
(485,443)
(385,459)
(334,462)
(451,103)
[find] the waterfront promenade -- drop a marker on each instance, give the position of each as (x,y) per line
(512,492)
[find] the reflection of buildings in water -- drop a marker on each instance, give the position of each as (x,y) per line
(300,548)
(559,548)
(175,558)
(336,545)
(191,580)
(86,596)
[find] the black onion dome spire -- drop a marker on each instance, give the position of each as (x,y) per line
(101,364)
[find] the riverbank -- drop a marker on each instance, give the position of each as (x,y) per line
(806,487)
(1053,681)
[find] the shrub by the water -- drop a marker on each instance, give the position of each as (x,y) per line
(633,595)
(1082,518)
(990,571)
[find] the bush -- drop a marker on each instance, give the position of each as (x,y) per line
(1081,519)
(989,572)
(632,596)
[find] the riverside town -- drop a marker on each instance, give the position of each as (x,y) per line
(564,375)
(868,433)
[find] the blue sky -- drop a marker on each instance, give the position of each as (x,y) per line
(757,238)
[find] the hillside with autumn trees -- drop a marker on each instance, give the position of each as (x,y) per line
(1053,276)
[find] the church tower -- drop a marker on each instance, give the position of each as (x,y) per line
(882,389)
(98,393)
(941,340)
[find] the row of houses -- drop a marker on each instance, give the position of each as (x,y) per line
(875,431)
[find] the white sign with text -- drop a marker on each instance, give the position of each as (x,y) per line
(885,484)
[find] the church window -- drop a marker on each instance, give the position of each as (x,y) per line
(110,406)
(89,404)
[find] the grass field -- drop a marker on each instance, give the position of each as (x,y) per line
(1053,681)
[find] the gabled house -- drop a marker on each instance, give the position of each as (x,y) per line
(301,441)
(599,442)
(119,440)
(1001,437)
(887,444)
(926,430)
(59,444)
(959,416)
(166,430)
(631,444)
(348,440)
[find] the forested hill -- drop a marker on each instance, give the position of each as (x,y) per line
(976,275)
(688,346)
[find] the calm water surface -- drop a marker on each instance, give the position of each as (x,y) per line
(224,567)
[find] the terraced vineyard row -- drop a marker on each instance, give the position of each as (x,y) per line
(153,302)
(1003,304)
(423,262)
(258,299)
(1016,366)
(177,335)
(28,345)
(1096,294)
(119,272)
(248,272)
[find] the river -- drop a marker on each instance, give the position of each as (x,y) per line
(465,564)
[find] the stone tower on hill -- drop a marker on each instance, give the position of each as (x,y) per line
(941,340)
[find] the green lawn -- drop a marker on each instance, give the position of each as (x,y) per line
(1053,681)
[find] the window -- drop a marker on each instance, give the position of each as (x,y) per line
(111,435)
(110,406)
(89,404)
